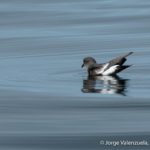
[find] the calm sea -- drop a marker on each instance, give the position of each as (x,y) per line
(47,102)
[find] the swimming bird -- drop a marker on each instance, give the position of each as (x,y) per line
(111,67)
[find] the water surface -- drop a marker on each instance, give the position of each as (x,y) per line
(46,99)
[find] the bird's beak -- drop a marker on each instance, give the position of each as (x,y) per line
(82,65)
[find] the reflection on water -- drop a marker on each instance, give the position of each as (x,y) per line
(105,85)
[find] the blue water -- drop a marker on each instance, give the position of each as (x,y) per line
(46,99)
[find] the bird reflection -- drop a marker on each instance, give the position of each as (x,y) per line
(105,85)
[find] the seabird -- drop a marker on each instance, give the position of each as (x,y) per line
(112,67)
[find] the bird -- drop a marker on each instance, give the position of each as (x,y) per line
(111,67)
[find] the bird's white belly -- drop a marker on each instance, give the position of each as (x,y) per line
(100,71)
(110,70)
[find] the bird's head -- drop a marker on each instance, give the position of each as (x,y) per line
(88,62)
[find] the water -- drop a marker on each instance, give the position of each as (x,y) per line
(46,99)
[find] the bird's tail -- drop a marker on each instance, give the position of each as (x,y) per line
(123,67)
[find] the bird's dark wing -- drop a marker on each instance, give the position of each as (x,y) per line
(119,60)
(94,68)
